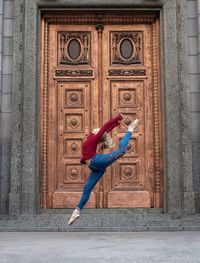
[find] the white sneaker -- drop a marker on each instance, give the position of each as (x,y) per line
(133,125)
(75,215)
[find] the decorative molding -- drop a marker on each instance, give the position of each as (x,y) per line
(72,148)
(128,116)
(127,97)
(128,172)
(73,73)
(135,40)
(73,173)
(156,111)
(45,117)
(83,43)
(99,27)
(92,19)
(128,72)
(73,122)
(132,149)
(73,98)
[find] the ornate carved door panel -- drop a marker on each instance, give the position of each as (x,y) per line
(91,71)
(71,111)
(128,84)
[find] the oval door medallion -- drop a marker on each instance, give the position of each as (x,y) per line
(74,49)
(126,48)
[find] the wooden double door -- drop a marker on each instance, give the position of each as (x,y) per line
(92,68)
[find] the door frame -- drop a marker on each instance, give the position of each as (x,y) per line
(107,18)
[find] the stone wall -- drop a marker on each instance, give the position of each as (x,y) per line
(6,65)
(6,58)
(193,60)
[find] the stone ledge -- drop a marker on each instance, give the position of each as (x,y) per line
(99,229)
(88,223)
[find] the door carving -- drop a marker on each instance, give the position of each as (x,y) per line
(93,67)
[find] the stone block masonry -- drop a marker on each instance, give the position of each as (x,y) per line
(193,55)
(6,68)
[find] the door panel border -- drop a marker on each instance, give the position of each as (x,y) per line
(151,19)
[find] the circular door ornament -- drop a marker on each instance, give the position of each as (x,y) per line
(126,97)
(74,98)
(128,172)
(74,173)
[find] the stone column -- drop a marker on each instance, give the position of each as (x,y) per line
(179,187)
(195,105)
(6,49)
(15,200)
(185,118)
(30,188)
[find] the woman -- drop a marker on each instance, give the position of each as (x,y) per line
(99,162)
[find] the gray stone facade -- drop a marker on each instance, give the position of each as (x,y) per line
(19,182)
(6,68)
(194,49)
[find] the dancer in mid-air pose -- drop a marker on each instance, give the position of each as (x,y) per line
(99,162)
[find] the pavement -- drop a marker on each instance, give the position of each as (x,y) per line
(92,247)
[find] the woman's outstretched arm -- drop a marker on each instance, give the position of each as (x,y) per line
(108,126)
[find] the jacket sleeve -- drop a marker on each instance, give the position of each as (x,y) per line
(108,126)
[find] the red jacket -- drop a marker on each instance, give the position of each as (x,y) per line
(90,145)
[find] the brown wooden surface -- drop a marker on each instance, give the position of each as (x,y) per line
(81,93)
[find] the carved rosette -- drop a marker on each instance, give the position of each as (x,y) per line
(126,47)
(73,99)
(73,173)
(74,48)
(127,97)
(128,172)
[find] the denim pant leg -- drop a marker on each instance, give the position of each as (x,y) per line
(104,160)
(92,180)
(125,140)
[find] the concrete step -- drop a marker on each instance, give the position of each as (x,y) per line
(62,222)
(103,220)
(97,222)
(133,228)
(94,217)
(105,211)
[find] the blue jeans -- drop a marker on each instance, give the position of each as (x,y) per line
(98,165)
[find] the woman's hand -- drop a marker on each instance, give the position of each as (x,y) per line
(123,116)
